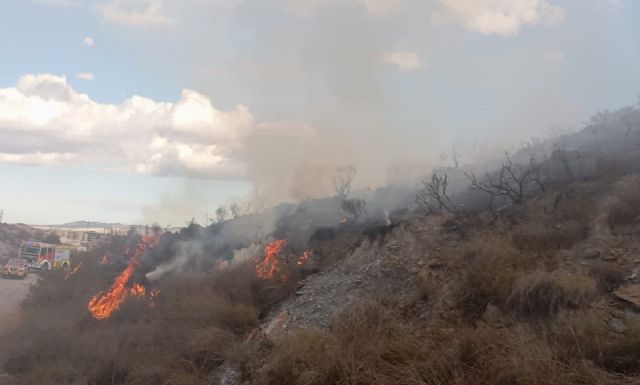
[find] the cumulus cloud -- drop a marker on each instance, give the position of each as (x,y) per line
(135,13)
(44,121)
(86,76)
(88,41)
(498,17)
(403,60)
(371,7)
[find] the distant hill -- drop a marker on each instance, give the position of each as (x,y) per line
(11,236)
(87,224)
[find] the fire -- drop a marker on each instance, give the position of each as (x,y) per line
(153,294)
(270,264)
(137,290)
(304,258)
(103,304)
(72,272)
(222,265)
(344,220)
(104,260)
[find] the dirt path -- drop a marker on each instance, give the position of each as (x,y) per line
(12,292)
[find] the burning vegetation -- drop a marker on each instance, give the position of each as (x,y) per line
(103,304)
(526,274)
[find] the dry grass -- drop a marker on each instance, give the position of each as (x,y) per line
(607,275)
(560,226)
(494,265)
(541,295)
(182,340)
(624,216)
(368,345)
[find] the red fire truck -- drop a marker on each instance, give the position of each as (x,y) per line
(45,256)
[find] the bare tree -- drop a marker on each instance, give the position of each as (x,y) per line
(239,209)
(512,180)
(354,207)
(433,195)
(540,172)
(221,214)
(343,179)
(567,161)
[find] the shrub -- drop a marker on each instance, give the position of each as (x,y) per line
(626,212)
(494,266)
(608,276)
(541,295)
(392,353)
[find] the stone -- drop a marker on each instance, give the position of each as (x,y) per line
(591,253)
(630,293)
(618,326)
(492,316)
(436,262)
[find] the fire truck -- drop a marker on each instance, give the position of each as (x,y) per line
(45,256)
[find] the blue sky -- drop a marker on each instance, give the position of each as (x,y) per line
(279,93)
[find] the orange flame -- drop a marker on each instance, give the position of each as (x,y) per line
(102,305)
(153,294)
(72,272)
(304,258)
(270,264)
(137,290)
(222,265)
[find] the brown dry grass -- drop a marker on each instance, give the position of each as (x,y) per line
(369,345)
(607,275)
(541,294)
(494,265)
(624,216)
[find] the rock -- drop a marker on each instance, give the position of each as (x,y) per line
(277,327)
(629,294)
(492,316)
(435,263)
(618,326)
(227,375)
(591,253)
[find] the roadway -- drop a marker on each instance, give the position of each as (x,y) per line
(12,292)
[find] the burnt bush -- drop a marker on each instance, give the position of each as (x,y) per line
(624,216)
(541,295)
(607,275)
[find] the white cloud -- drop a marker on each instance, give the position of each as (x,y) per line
(43,121)
(372,7)
(135,13)
(499,17)
(403,60)
(86,76)
(88,41)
